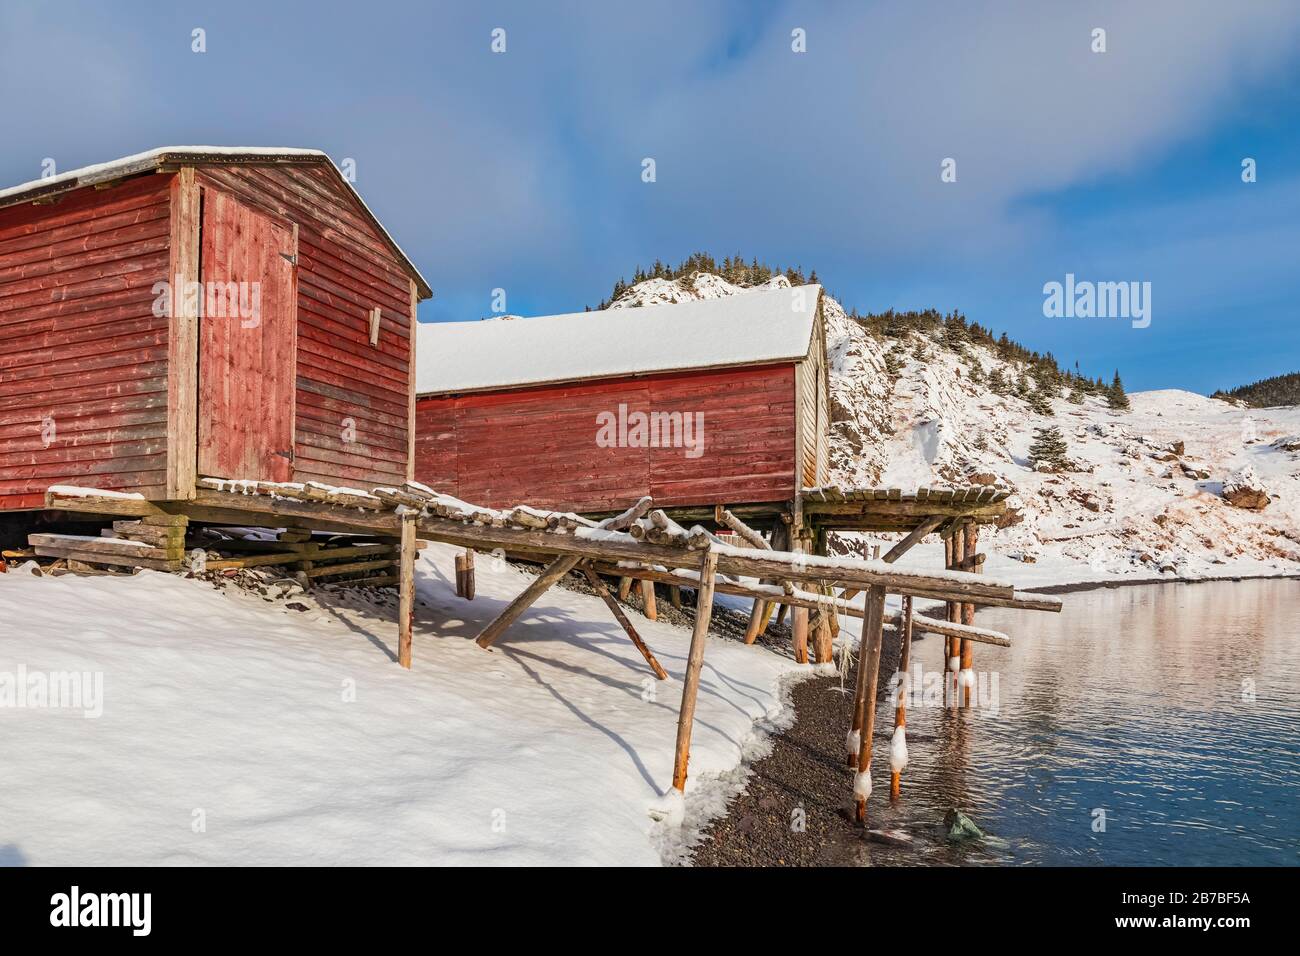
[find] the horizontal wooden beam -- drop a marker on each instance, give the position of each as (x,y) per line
(1019,600)
(732,562)
(811,569)
(911,509)
(806,599)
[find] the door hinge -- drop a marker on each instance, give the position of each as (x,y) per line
(287,453)
(292,259)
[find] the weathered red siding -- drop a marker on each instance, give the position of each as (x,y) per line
(538,445)
(80,344)
(352,397)
(81,347)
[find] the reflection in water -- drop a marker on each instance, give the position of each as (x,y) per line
(1175,709)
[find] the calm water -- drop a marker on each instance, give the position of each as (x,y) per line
(1134,701)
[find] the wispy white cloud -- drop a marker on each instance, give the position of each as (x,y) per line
(523,170)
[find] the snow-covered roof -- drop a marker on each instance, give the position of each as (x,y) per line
(751,328)
(163,155)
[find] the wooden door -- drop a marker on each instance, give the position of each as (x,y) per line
(247,366)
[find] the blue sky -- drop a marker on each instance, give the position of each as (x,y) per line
(522,170)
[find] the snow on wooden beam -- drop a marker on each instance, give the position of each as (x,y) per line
(443,518)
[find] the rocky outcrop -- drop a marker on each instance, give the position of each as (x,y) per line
(1243,489)
(1289,443)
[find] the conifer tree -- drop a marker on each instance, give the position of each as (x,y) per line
(1040,402)
(1116,397)
(1048,448)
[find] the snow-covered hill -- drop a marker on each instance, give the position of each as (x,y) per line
(1143,498)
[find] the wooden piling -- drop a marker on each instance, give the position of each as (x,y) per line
(465,575)
(864,705)
(955,552)
(648,598)
(694,661)
(823,641)
(799,632)
(900,708)
(971,537)
(824,637)
(757,614)
(406,590)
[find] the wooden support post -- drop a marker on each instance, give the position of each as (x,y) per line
(823,639)
(971,536)
(799,633)
(675,596)
(694,661)
(757,614)
(552,573)
(900,709)
(599,587)
(799,616)
(855,722)
(465,575)
(624,588)
(954,551)
(780,539)
(648,598)
(406,590)
(824,636)
(864,704)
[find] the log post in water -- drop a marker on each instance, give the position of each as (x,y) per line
(864,704)
(954,550)
(898,745)
(967,679)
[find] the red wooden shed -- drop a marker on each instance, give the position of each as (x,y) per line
(201,311)
(698,403)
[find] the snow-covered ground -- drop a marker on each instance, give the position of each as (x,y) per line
(293,737)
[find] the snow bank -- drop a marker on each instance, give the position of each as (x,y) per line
(239,731)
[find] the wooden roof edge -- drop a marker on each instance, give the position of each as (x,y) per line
(161,160)
(551,383)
